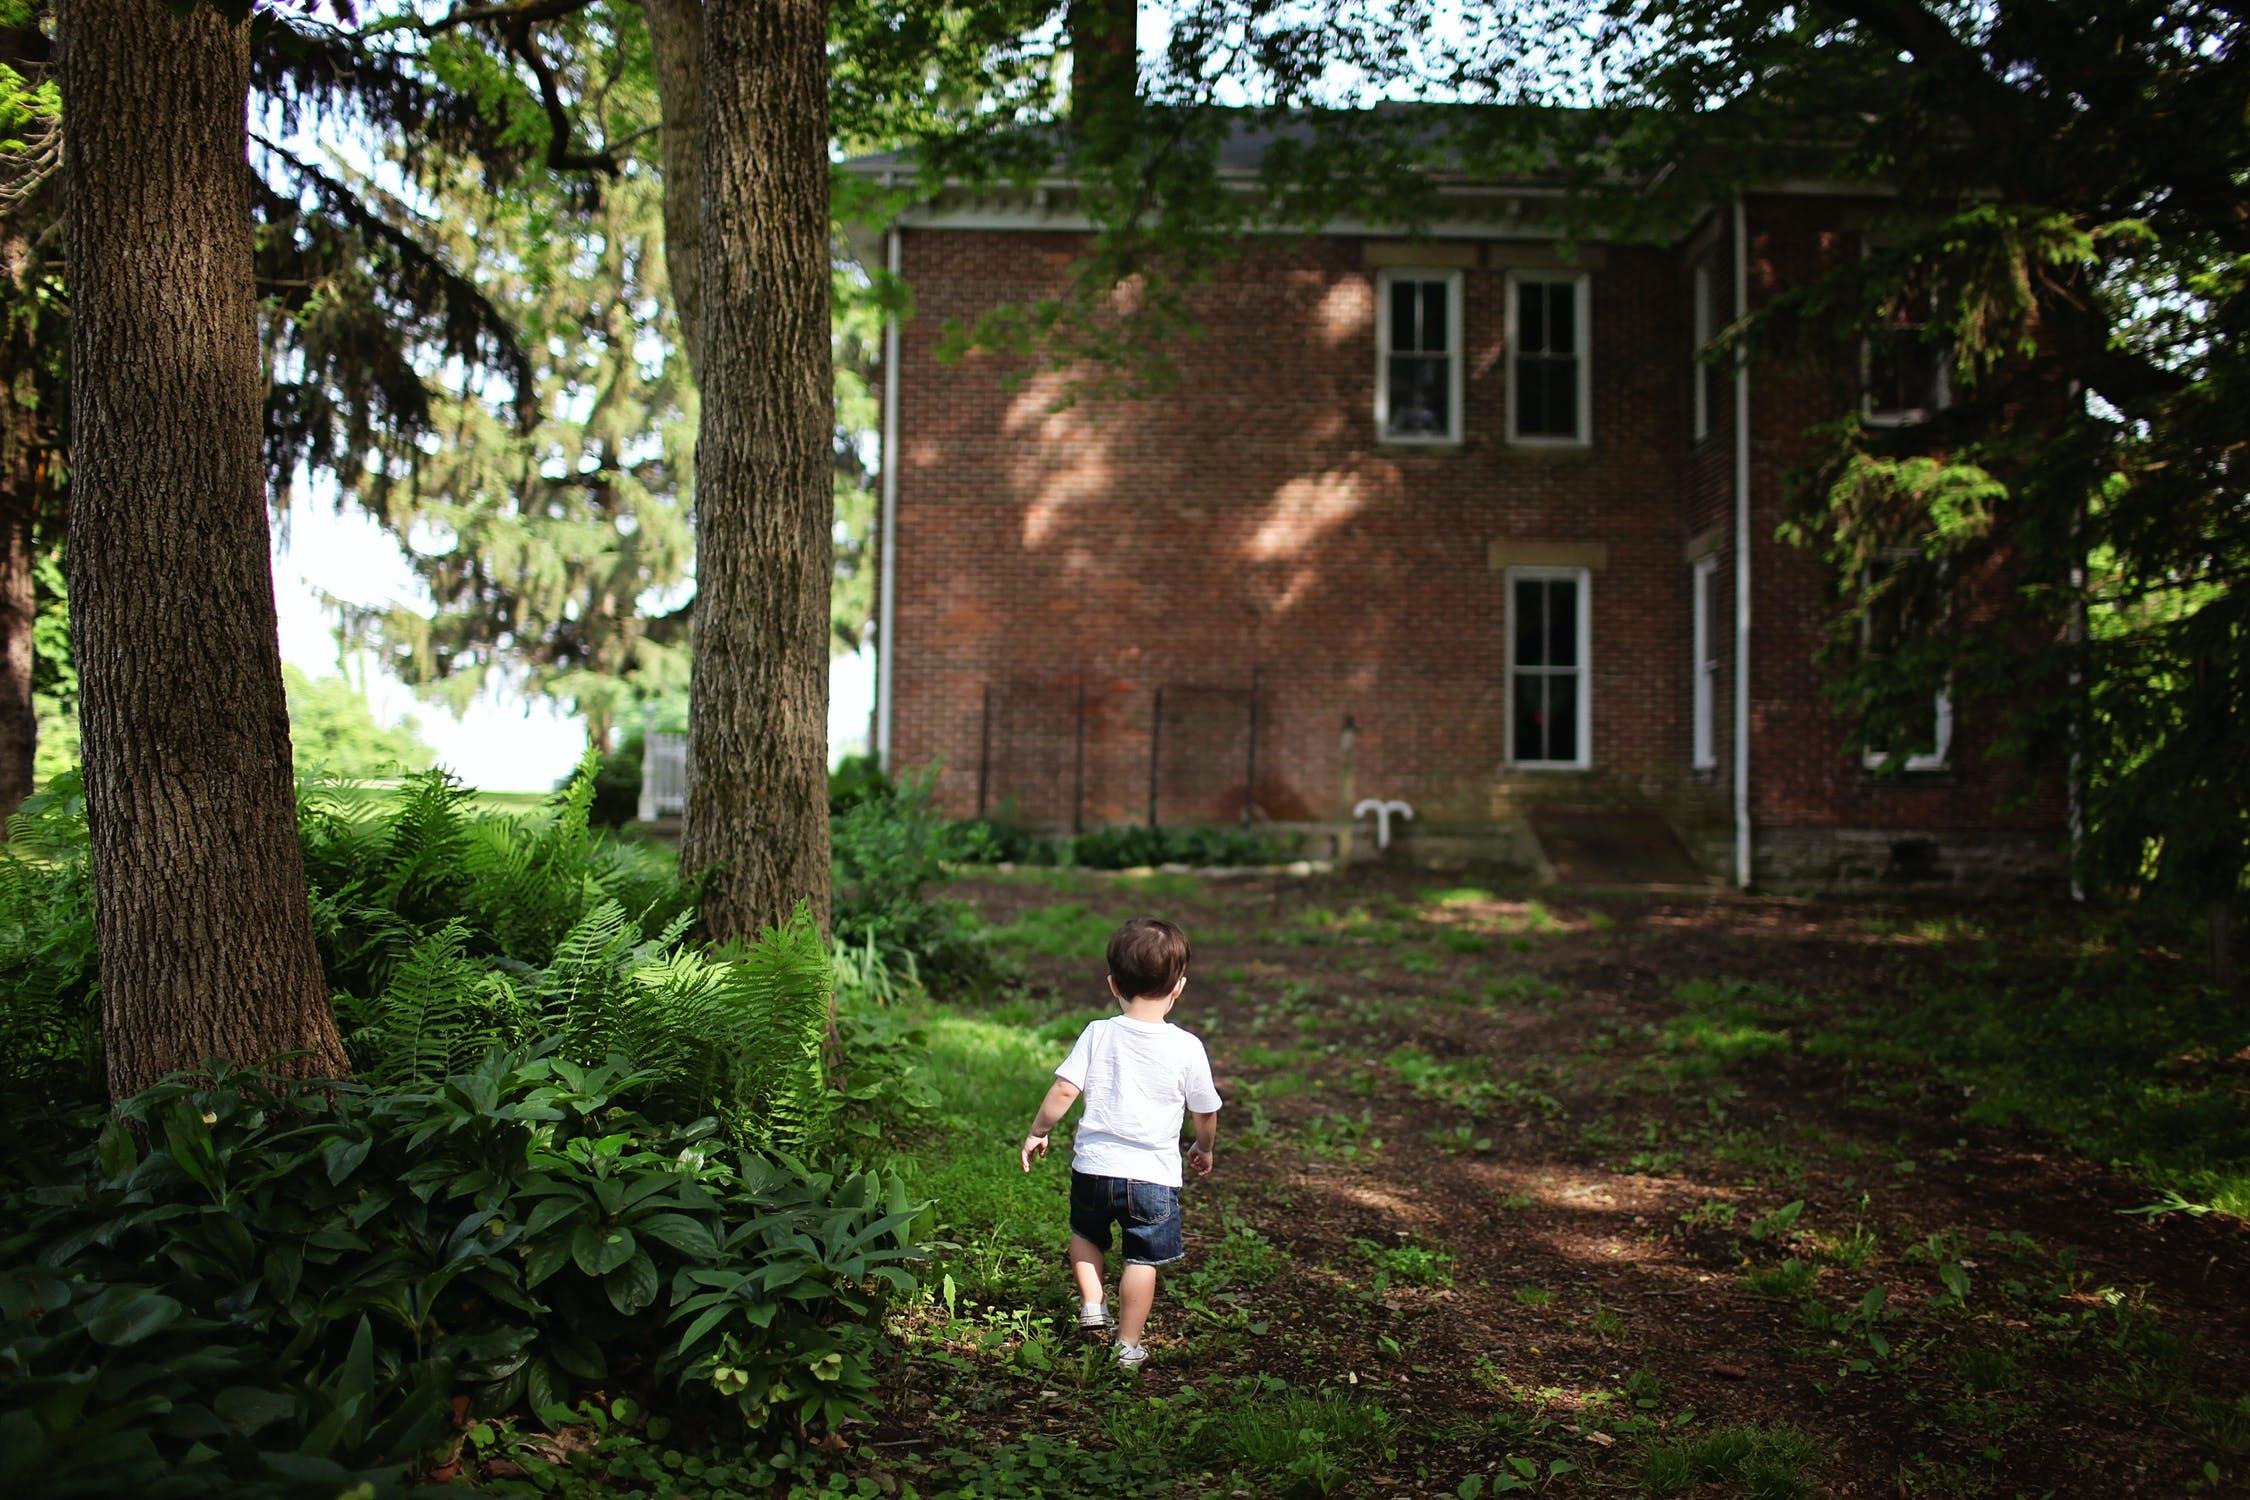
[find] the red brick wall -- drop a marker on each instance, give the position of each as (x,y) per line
(1248,520)
(1802,774)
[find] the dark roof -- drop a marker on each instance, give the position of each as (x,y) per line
(1442,131)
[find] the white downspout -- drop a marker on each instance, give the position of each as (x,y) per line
(1742,870)
(886,603)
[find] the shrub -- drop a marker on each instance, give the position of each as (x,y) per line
(856,779)
(1128,846)
(50,1027)
(256,1286)
(617,781)
(888,851)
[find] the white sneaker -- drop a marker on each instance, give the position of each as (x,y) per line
(1093,1319)
(1131,1356)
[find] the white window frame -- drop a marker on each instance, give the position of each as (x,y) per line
(1939,755)
(1584,578)
(1703,743)
(1701,332)
(1583,284)
(1943,379)
(1384,279)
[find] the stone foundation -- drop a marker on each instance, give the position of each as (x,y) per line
(1901,861)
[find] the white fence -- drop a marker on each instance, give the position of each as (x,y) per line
(663,776)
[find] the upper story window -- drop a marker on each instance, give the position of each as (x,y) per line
(1902,361)
(1704,326)
(1418,356)
(1549,390)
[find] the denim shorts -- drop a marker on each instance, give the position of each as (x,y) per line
(1148,1212)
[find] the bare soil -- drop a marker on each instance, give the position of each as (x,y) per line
(1503,1080)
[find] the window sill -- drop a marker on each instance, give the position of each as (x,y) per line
(1552,445)
(1942,774)
(1547,767)
(1424,444)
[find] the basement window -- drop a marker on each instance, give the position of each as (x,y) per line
(1550,702)
(1418,356)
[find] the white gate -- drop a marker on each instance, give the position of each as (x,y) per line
(663,776)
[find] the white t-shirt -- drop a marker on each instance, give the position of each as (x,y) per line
(1136,1078)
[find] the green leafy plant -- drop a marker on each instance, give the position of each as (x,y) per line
(250,1283)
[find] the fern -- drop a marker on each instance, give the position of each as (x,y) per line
(787,986)
(439,1014)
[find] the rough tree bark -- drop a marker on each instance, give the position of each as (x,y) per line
(19,724)
(758,719)
(201,916)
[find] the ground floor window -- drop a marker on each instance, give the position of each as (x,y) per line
(1550,702)
(1704,646)
(1898,612)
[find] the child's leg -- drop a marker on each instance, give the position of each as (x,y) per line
(1086,1268)
(1136,1294)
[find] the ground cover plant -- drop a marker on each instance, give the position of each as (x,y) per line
(582,1160)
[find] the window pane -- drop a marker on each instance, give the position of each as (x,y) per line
(1562,317)
(1531,318)
(1529,718)
(1420,395)
(1531,398)
(1434,329)
(1562,622)
(1562,397)
(1402,315)
(1531,622)
(1562,717)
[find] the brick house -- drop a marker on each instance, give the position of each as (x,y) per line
(1454,520)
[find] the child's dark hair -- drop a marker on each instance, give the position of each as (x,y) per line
(1147,957)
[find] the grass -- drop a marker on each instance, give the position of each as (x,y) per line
(1005,1225)
(1757,1463)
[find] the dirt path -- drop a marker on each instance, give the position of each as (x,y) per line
(1632,1193)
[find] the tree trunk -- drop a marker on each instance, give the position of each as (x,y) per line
(201,917)
(757,816)
(675,34)
(19,608)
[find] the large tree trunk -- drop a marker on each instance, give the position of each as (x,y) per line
(757,817)
(675,34)
(200,909)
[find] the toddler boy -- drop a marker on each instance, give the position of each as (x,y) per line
(1138,1072)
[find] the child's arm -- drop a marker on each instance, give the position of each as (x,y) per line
(1051,1110)
(1202,1155)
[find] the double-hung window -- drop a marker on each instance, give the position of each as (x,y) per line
(1895,616)
(1902,362)
(1704,328)
(1703,750)
(1548,374)
(1418,356)
(1550,703)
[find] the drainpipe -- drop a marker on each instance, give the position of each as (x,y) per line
(1741,556)
(886,558)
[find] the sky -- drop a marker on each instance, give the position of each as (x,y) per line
(505,742)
